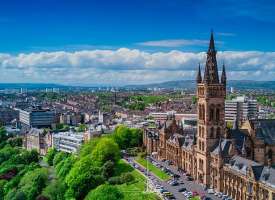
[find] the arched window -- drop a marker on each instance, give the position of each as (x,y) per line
(211,113)
(217,114)
(218,132)
(203,112)
(211,132)
(269,154)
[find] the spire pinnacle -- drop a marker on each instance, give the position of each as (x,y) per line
(199,79)
(223,76)
(211,74)
(220,146)
(211,43)
(243,148)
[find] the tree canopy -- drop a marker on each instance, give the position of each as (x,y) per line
(105,192)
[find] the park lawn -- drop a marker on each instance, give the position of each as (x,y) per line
(153,169)
(134,190)
(195,198)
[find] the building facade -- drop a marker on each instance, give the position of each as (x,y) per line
(39,140)
(67,141)
(238,162)
(240,109)
(36,117)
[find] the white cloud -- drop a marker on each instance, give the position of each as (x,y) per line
(174,43)
(128,66)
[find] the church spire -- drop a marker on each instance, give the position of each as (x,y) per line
(199,74)
(211,69)
(211,43)
(223,77)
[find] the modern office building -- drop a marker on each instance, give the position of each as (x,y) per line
(36,117)
(240,109)
(69,142)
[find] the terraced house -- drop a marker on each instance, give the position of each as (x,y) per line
(238,161)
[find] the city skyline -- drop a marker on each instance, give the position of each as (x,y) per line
(92,42)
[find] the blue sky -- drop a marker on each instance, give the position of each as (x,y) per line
(34,32)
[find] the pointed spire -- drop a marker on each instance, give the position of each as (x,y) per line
(199,79)
(220,147)
(223,77)
(235,124)
(211,43)
(243,148)
(211,69)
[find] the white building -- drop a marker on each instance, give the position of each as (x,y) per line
(69,142)
(241,109)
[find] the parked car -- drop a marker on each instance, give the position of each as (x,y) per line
(210,191)
(175,183)
(182,190)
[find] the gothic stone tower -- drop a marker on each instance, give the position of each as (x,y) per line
(211,125)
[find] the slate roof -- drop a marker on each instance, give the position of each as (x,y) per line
(268,176)
(238,135)
(177,138)
(225,146)
(241,165)
(36,131)
(265,130)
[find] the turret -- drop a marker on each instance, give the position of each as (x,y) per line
(199,79)
(223,76)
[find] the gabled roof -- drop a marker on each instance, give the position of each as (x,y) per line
(242,165)
(264,129)
(225,146)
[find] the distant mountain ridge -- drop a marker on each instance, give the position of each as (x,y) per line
(30,85)
(191,84)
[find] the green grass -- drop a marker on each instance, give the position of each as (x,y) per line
(134,190)
(153,169)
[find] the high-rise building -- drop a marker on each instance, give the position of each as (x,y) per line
(241,109)
(36,117)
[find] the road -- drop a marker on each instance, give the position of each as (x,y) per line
(189,185)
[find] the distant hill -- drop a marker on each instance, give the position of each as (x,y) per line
(30,85)
(191,84)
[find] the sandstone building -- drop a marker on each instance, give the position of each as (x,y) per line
(238,161)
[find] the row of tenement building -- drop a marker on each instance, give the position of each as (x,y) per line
(238,161)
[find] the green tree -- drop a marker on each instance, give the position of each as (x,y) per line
(33,182)
(59,157)
(108,169)
(105,192)
(82,128)
(83,177)
(55,190)
(88,147)
(136,137)
(106,150)
(50,156)
(64,167)
(15,142)
(2,191)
